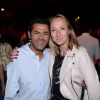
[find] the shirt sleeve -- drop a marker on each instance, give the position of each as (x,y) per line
(13,76)
(90,76)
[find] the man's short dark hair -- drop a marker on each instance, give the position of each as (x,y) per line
(39,20)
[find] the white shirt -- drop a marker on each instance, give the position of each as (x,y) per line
(28,75)
(91,44)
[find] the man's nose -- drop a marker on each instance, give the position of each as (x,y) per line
(41,35)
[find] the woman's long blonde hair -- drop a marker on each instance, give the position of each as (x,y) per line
(72,37)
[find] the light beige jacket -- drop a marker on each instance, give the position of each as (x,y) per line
(77,66)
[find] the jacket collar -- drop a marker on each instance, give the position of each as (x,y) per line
(67,62)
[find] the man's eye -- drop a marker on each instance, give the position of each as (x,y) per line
(35,32)
(46,33)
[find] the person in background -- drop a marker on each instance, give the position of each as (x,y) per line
(73,73)
(91,44)
(27,76)
(2,82)
(23,39)
(5,51)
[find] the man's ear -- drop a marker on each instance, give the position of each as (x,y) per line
(29,35)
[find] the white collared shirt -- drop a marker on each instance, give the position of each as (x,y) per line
(28,77)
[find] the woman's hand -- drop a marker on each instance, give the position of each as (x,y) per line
(14,54)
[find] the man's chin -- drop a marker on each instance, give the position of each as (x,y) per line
(41,49)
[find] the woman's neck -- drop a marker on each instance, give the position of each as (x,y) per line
(63,50)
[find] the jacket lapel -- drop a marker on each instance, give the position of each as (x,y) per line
(67,63)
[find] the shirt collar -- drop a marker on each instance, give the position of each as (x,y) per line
(85,34)
(33,53)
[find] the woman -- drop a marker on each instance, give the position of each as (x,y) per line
(72,72)
(71,65)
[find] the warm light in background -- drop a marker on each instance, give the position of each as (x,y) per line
(77,19)
(2,9)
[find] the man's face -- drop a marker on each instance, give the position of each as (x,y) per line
(39,37)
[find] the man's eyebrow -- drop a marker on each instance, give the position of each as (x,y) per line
(46,32)
(35,31)
(40,32)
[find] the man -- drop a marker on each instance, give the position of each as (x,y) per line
(5,50)
(27,76)
(90,43)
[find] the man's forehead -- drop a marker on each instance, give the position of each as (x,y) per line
(40,27)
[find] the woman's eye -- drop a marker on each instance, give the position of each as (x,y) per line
(52,30)
(62,28)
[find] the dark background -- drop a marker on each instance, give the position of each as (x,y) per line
(19,12)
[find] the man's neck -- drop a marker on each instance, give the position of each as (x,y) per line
(39,53)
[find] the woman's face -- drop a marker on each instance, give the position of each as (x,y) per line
(59,31)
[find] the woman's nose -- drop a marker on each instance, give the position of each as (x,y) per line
(58,33)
